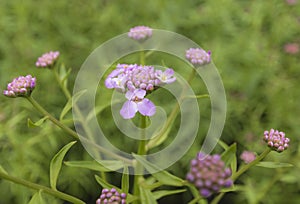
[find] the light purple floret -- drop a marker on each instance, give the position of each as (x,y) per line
(209,174)
(140,33)
(20,86)
(276,140)
(48,59)
(136,81)
(198,56)
(248,156)
(111,196)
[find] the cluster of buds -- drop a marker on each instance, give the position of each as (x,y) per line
(276,140)
(140,33)
(209,174)
(20,86)
(137,81)
(111,196)
(198,56)
(248,156)
(47,60)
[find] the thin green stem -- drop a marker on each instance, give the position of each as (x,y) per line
(82,119)
(45,189)
(242,170)
(53,119)
(138,177)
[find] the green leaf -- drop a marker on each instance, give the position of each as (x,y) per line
(64,74)
(163,193)
(105,166)
(125,180)
(37,198)
(104,184)
(32,124)
(146,196)
(273,165)
(229,157)
(163,177)
(223,144)
(160,138)
(68,105)
(56,162)
(3,170)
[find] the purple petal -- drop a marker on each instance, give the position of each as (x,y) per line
(139,93)
(128,109)
(146,107)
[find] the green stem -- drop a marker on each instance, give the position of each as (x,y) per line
(83,121)
(138,177)
(53,119)
(242,170)
(45,189)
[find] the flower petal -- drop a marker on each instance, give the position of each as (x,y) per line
(128,109)
(146,107)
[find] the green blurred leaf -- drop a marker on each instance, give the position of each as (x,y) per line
(223,144)
(273,165)
(146,196)
(125,180)
(37,198)
(68,105)
(163,177)
(163,193)
(64,74)
(56,162)
(3,170)
(229,157)
(105,166)
(32,124)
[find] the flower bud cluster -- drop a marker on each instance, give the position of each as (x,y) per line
(47,60)
(20,86)
(198,56)
(276,140)
(111,196)
(140,33)
(209,174)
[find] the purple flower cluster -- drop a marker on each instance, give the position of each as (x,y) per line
(111,196)
(276,140)
(247,156)
(198,56)
(20,86)
(208,174)
(137,81)
(47,60)
(140,33)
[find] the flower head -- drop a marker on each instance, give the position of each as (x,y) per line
(291,48)
(136,81)
(209,174)
(140,33)
(20,86)
(247,156)
(276,140)
(47,60)
(111,196)
(198,56)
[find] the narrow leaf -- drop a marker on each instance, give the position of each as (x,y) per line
(163,177)
(105,166)
(125,180)
(37,198)
(32,124)
(223,144)
(163,193)
(146,196)
(274,164)
(68,105)
(56,162)
(3,170)
(229,157)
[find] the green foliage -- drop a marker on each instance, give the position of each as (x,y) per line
(247,40)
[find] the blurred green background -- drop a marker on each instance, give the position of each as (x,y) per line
(254,46)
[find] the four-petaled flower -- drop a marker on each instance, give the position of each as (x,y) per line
(137,103)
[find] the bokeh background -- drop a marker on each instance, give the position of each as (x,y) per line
(254,44)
